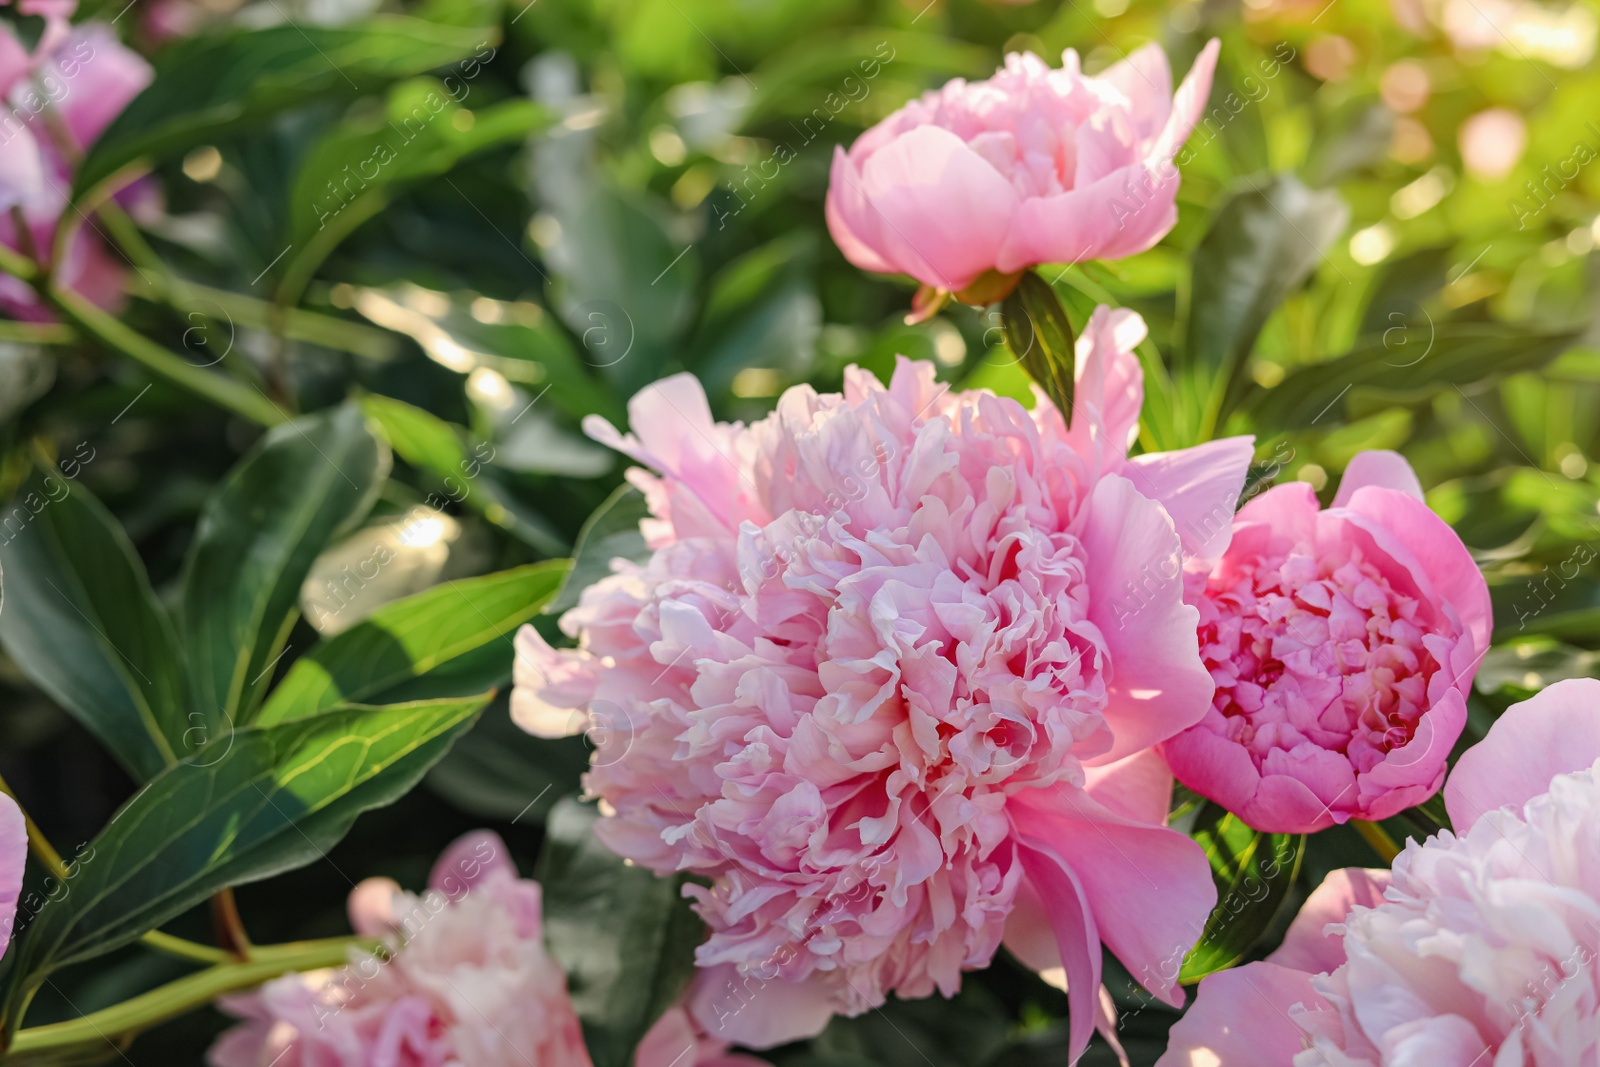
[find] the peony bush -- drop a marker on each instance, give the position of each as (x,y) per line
(745,539)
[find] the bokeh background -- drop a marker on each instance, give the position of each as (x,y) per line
(615,190)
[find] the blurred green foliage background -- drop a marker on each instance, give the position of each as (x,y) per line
(1386,240)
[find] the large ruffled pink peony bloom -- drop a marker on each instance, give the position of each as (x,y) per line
(59,98)
(1343,644)
(469,984)
(1483,946)
(1035,165)
(897,663)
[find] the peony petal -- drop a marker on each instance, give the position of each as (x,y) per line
(1110,386)
(1240,1018)
(470,860)
(13,859)
(1447,563)
(1187,104)
(757,1013)
(1199,487)
(1149,889)
(21,166)
(371,907)
(1145,78)
(1137,787)
(940,208)
(1556,731)
(1306,946)
(100,88)
(845,202)
(1379,467)
(1159,686)
(1121,214)
(1077,939)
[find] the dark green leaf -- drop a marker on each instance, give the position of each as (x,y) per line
(263,800)
(1263,243)
(302,485)
(430,444)
(211,84)
(1547,604)
(624,286)
(625,937)
(1460,355)
(499,771)
(349,175)
(413,637)
(1253,872)
(1040,336)
(612,532)
(80,619)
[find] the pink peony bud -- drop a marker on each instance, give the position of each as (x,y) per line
(1035,165)
(1480,948)
(1343,644)
(882,683)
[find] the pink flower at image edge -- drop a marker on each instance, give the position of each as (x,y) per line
(13,861)
(1343,643)
(891,678)
(1480,947)
(86,77)
(1034,165)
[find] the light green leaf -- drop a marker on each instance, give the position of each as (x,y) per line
(261,801)
(414,637)
(303,484)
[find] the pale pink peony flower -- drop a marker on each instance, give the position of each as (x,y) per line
(1483,946)
(469,984)
(13,860)
(1035,165)
(897,655)
(1343,644)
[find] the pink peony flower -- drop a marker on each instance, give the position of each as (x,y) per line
(1343,644)
(60,97)
(1034,165)
(469,984)
(13,859)
(1483,946)
(877,683)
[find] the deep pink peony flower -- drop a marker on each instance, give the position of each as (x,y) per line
(877,677)
(469,985)
(1035,165)
(60,98)
(1483,946)
(1343,644)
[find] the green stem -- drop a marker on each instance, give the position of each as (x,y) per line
(1378,838)
(17,265)
(186,994)
(225,392)
(184,950)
